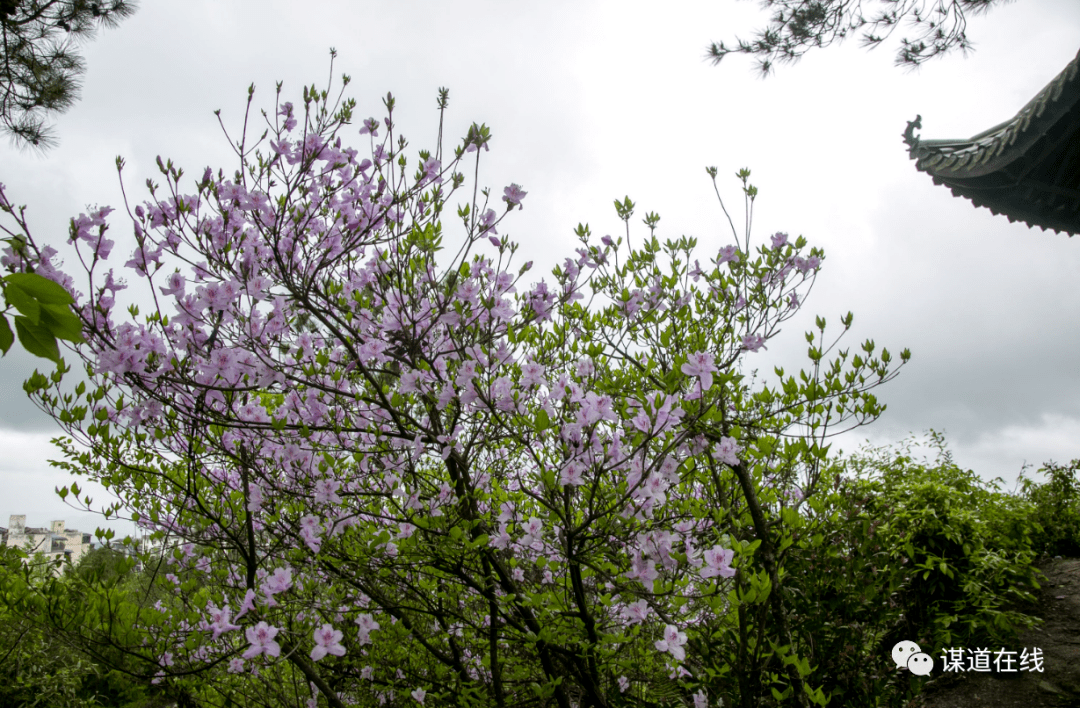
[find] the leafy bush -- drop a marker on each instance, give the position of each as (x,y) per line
(901,549)
(1055,510)
(966,542)
(57,643)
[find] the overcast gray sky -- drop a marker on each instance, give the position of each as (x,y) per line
(590,101)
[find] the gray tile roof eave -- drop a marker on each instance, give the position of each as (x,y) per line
(991,169)
(996,147)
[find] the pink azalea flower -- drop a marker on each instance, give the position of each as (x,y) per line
(262,641)
(643,569)
(532,374)
(468,291)
(696,273)
(728,253)
(727,451)
(779,239)
(585,368)
(595,408)
(701,364)
(287,111)
(753,342)
(367,623)
(419,694)
(656,488)
(504,283)
(279,582)
(641,422)
(445,396)
(431,167)
(571,474)
(502,539)
(371,125)
(327,641)
(503,311)
(513,195)
(221,623)
(176,285)
(718,562)
(311,538)
(487,222)
(637,612)
(408,382)
(255,498)
(668,415)
(248,604)
(326,492)
(672,642)
(533,529)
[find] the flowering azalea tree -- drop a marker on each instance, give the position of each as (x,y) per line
(392,477)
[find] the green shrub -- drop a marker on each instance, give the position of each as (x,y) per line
(49,655)
(900,549)
(1056,510)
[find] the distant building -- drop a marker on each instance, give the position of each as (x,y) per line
(56,542)
(1027,168)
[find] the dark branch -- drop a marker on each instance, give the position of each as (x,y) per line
(799,25)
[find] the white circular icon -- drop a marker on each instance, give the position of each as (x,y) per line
(920,664)
(903,651)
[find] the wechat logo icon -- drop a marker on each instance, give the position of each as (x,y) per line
(908,655)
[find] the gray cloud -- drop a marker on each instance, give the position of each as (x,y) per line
(592,101)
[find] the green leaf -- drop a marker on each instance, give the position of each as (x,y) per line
(7,337)
(62,322)
(41,288)
(543,421)
(37,339)
(23,302)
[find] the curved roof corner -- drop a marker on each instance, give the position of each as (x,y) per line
(1027,168)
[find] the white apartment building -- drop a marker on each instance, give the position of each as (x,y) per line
(56,542)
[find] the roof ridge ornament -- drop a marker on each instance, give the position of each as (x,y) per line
(910,139)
